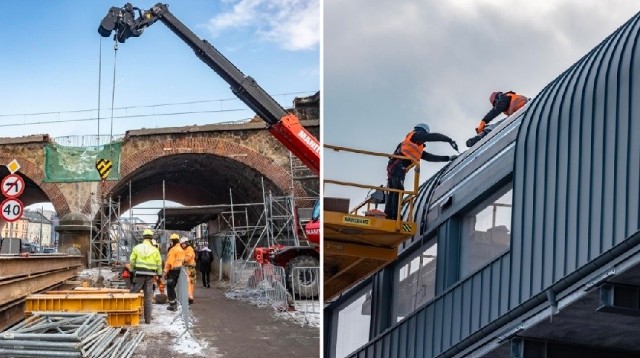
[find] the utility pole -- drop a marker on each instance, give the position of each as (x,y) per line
(41,217)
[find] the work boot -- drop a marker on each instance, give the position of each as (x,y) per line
(172,306)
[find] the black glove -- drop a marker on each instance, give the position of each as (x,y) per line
(454,145)
(452,157)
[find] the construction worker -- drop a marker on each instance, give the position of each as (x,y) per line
(507,103)
(172,268)
(413,147)
(205,258)
(146,263)
(159,282)
(190,264)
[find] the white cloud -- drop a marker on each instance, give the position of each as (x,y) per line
(292,24)
(390,64)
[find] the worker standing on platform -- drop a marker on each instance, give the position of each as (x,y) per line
(146,264)
(172,268)
(413,147)
(190,264)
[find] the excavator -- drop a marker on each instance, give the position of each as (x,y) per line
(284,126)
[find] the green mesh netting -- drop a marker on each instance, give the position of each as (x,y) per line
(75,164)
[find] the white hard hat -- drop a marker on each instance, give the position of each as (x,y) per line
(423,126)
(183,239)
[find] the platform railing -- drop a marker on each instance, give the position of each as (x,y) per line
(405,196)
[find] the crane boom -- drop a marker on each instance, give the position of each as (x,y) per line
(284,126)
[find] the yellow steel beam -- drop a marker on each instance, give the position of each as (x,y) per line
(361,251)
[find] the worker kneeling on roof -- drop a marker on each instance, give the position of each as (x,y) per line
(413,147)
(507,103)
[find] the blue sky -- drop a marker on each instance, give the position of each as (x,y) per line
(50,61)
(51,55)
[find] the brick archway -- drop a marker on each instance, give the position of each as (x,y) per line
(36,174)
(131,161)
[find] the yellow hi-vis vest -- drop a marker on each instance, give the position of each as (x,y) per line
(146,258)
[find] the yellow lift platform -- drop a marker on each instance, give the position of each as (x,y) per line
(356,245)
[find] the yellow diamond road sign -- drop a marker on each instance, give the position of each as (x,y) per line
(104,167)
(13,166)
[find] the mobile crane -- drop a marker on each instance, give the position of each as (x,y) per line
(285,127)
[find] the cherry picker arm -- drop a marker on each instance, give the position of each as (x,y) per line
(284,126)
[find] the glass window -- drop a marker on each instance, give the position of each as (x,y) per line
(486,232)
(415,281)
(354,322)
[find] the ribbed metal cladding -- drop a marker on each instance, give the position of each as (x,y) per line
(577,166)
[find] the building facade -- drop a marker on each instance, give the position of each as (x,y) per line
(529,243)
(17,229)
(38,229)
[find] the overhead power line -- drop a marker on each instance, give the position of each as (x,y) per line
(121,117)
(146,106)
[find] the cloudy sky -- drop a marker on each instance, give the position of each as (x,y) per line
(51,56)
(391,64)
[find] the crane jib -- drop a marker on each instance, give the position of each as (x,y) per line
(311,142)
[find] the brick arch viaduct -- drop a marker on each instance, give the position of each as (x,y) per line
(199,165)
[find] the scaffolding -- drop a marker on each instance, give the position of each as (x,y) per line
(268,223)
(113,237)
(104,234)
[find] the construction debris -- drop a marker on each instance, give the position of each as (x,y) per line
(64,334)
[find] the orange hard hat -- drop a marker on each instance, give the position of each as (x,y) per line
(493,96)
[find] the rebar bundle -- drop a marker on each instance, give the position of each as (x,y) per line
(65,334)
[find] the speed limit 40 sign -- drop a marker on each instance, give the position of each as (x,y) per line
(11,210)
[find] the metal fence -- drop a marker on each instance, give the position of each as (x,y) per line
(243,274)
(268,279)
(305,289)
(182,294)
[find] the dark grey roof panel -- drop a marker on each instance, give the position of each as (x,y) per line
(576,199)
(576,166)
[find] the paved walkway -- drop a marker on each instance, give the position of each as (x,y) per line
(233,328)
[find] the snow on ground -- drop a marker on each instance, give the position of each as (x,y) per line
(92,274)
(305,313)
(168,329)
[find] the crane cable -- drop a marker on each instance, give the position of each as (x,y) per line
(99,83)
(113,92)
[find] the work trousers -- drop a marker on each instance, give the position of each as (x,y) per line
(395,180)
(172,281)
(205,269)
(191,270)
(138,282)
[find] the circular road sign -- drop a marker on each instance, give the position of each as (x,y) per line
(11,209)
(12,186)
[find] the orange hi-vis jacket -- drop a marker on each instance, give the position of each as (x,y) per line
(189,256)
(411,149)
(175,258)
(517,101)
